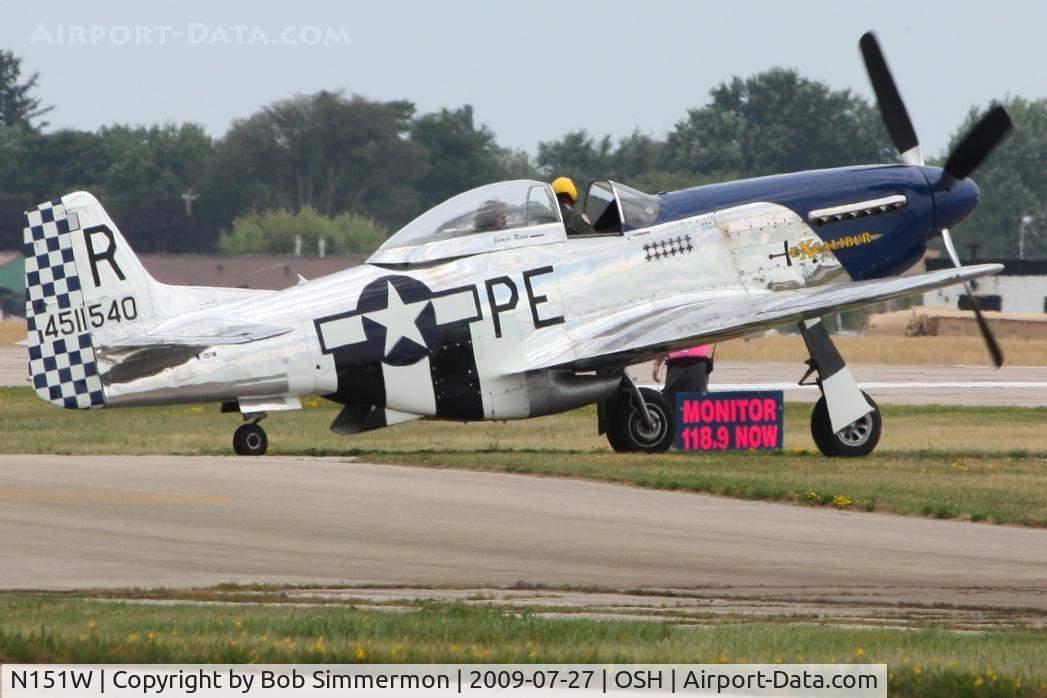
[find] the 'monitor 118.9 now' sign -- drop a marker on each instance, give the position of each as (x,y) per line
(729,421)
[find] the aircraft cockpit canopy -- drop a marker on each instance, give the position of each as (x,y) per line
(495,216)
(613,207)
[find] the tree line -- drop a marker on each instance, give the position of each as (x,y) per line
(361,168)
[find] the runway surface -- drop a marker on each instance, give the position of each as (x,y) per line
(82,522)
(14,366)
(915,385)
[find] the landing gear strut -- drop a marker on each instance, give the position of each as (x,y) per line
(845,421)
(250,439)
(639,419)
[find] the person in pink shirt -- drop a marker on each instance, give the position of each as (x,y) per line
(687,371)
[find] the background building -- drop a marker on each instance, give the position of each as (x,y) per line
(1020,288)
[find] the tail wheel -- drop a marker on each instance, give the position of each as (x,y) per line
(627,430)
(250,440)
(856,439)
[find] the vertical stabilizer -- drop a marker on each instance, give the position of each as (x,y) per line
(83,285)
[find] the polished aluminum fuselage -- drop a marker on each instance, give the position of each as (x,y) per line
(532,303)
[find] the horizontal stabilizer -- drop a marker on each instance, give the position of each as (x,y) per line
(205,334)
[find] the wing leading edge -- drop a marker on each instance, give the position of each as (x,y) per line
(640,332)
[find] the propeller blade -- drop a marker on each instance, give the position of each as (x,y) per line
(892,108)
(947,239)
(978,143)
(963,160)
(983,324)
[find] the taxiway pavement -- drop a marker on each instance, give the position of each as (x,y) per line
(14,366)
(77,522)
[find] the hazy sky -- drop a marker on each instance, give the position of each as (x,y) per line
(533,70)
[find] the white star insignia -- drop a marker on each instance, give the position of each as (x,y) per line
(399,320)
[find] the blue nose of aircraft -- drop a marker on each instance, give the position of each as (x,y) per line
(952,204)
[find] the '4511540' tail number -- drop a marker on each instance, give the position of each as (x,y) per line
(94,316)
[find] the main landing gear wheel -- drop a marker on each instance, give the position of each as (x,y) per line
(250,440)
(856,439)
(628,430)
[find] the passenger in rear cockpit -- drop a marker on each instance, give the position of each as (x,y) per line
(566,193)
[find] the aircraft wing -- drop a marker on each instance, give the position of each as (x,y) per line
(637,333)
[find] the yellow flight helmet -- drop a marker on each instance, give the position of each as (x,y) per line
(564,185)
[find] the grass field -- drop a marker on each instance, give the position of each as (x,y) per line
(997,489)
(947,462)
(962,462)
(80,629)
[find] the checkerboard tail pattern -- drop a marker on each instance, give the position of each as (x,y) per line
(62,366)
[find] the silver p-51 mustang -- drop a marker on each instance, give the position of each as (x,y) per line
(484,308)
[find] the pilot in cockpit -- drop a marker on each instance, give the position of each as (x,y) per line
(566,193)
(491,215)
